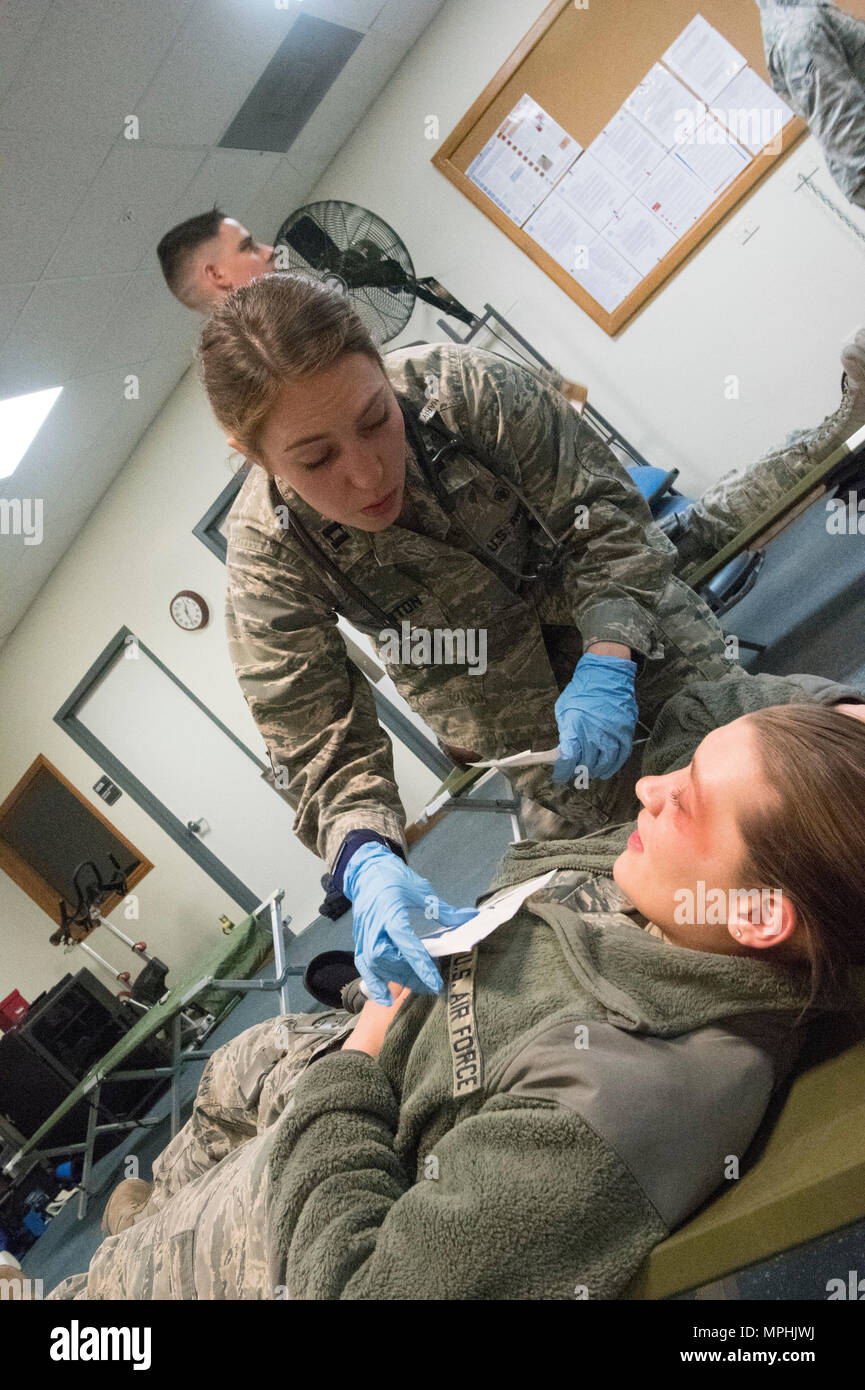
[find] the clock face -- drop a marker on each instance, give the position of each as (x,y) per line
(189,610)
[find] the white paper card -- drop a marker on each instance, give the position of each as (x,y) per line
(526,759)
(713,155)
(521,162)
(501,907)
(627,149)
(704,58)
(752,111)
(639,236)
(661,103)
(607,277)
(675,195)
(593,191)
(561,232)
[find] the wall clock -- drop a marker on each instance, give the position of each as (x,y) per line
(189,611)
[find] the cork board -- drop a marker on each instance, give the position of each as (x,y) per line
(580,65)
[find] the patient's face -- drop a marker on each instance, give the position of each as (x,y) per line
(687,836)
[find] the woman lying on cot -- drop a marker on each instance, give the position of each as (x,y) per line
(580,1086)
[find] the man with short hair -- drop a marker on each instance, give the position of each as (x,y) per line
(208,255)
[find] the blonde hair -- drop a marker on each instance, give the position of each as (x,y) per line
(278,328)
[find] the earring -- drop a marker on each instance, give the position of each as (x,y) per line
(739,933)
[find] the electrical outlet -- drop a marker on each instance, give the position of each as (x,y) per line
(793,172)
(743,229)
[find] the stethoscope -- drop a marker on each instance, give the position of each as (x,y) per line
(431,467)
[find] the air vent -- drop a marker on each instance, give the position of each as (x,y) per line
(305,65)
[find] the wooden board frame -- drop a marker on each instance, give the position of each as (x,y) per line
(479,123)
(27,878)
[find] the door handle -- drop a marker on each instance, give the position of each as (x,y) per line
(198,827)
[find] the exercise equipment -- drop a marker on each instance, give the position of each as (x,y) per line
(85,916)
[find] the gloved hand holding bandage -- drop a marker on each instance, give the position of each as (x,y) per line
(597,715)
(382,890)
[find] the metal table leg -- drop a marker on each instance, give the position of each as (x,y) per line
(176,1065)
(89,1141)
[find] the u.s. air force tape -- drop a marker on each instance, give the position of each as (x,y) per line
(466,1055)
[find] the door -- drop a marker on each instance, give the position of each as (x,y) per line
(204,785)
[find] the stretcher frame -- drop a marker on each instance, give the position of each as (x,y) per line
(32,1151)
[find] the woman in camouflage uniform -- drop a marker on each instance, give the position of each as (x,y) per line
(529,541)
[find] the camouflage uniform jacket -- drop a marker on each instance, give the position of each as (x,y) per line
(816,58)
(312,705)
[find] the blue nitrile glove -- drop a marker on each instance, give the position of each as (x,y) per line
(596,714)
(382,889)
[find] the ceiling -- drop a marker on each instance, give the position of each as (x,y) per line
(82,301)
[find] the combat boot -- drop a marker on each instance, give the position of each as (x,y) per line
(124,1204)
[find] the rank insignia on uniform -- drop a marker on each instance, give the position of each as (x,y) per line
(335,535)
(431,392)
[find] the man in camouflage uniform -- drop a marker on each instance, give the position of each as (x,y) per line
(455,567)
(742,496)
(815,54)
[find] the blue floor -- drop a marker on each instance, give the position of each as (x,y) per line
(808,605)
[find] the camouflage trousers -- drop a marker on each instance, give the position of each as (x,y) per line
(742,496)
(205,1232)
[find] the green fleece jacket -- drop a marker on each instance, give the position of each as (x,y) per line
(573,1095)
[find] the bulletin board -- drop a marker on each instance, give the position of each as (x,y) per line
(587,104)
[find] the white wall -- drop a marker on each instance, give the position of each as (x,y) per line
(772,312)
(133,555)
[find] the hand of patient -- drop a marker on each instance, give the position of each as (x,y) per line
(373,1020)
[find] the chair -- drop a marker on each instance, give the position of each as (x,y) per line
(670,510)
(804,1174)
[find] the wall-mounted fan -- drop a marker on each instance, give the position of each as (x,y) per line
(358,253)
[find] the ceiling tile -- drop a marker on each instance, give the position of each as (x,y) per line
(55,331)
(354,14)
(144,317)
(353,92)
(80,414)
(90,63)
(19,25)
(293,85)
(222,50)
(286,190)
(157,379)
(126,210)
(43,179)
(229,179)
(405,22)
(12,301)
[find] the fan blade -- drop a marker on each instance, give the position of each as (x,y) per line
(308,239)
(382,275)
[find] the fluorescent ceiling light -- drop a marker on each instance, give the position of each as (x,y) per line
(21,418)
